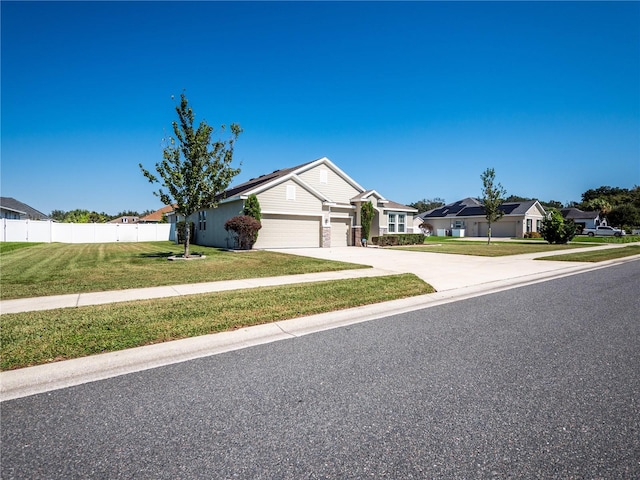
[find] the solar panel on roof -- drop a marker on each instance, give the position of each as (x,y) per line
(507,209)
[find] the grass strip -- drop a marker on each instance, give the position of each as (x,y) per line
(612,239)
(57,269)
(33,338)
(596,255)
(495,249)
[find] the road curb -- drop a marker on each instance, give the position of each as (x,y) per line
(44,378)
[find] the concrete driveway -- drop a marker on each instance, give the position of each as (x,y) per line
(448,272)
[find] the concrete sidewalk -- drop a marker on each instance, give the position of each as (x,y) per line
(455,277)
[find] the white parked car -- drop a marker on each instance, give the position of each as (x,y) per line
(603,232)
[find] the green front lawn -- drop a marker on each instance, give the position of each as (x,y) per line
(33,338)
(56,268)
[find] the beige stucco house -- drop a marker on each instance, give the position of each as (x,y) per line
(468,216)
(315,204)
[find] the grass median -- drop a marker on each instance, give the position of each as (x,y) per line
(34,338)
(33,270)
(494,249)
(596,255)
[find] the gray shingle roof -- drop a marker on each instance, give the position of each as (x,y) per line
(12,204)
(576,213)
(256,182)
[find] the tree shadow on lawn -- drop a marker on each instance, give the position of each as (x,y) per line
(179,253)
(157,254)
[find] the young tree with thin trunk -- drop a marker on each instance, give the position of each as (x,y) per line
(195,170)
(492,197)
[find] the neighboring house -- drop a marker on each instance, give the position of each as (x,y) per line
(11,208)
(468,215)
(583,219)
(157,216)
(315,204)
(125,219)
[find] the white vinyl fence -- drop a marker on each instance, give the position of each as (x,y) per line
(48,231)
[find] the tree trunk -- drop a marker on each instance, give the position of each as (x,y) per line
(489,235)
(187,234)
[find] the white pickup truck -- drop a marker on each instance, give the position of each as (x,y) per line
(603,232)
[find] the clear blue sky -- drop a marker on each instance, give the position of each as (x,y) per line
(412,99)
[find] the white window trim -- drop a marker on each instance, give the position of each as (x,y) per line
(394,223)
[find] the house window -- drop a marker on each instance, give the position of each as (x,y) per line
(202,220)
(458,224)
(397,222)
(529,225)
(324,177)
(291,192)
(538,225)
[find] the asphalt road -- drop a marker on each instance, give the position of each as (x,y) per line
(541,381)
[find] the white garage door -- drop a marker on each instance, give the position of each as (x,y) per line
(340,232)
(288,231)
(499,229)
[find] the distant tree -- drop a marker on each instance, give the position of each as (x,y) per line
(492,197)
(95,217)
(634,196)
(128,213)
(77,216)
(195,170)
(552,204)
(546,205)
(367,213)
(556,229)
(58,215)
(605,192)
(425,205)
(624,216)
(599,204)
(516,198)
(246,229)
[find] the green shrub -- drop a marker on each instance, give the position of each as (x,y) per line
(246,230)
(252,207)
(555,229)
(395,240)
(367,212)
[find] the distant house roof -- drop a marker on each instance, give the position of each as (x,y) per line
(125,219)
(8,203)
(390,205)
(576,214)
(156,216)
(472,207)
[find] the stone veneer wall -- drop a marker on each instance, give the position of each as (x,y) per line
(357,236)
(326,237)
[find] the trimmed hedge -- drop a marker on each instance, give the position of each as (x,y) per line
(394,240)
